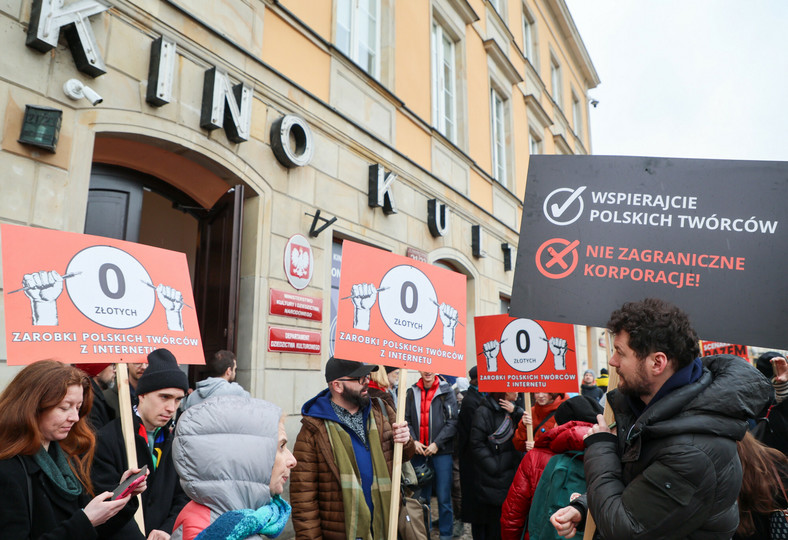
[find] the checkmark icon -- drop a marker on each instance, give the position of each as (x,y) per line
(558,211)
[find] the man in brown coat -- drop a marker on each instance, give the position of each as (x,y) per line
(339,436)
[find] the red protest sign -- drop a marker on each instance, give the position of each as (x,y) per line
(523,355)
(707,348)
(400,312)
(80,299)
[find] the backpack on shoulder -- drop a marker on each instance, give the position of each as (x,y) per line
(563,476)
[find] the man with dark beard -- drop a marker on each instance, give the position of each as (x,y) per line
(341,487)
(668,469)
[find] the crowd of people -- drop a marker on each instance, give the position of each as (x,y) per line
(693,447)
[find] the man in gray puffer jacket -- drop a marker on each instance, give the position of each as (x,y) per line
(221,368)
(669,469)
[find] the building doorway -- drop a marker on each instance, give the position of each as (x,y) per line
(137,207)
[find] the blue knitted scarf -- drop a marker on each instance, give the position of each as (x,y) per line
(269,520)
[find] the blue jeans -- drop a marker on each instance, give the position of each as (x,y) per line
(442,464)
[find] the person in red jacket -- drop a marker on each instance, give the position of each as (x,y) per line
(573,418)
(542,417)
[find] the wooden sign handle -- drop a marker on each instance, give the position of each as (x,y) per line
(609,417)
(396,469)
(127,427)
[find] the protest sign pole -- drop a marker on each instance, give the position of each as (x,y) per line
(529,427)
(608,414)
(396,468)
(127,428)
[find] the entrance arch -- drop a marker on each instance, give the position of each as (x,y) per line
(154,192)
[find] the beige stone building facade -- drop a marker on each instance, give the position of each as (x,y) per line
(226,126)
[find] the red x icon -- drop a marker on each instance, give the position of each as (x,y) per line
(558,249)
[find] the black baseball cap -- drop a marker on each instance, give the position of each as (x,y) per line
(337,368)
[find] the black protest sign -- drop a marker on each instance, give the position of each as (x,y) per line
(706,235)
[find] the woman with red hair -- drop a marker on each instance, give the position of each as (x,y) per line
(46,448)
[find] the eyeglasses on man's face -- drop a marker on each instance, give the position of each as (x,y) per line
(359,380)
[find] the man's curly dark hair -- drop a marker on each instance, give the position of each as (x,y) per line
(655,325)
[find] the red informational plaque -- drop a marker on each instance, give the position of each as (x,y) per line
(296,305)
(293,340)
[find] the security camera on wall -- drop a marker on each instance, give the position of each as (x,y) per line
(76,90)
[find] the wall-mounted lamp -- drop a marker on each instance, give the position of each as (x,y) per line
(76,89)
(41,127)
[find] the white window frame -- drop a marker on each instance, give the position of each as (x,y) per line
(529,37)
(577,115)
(498,128)
(444,85)
(534,143)
(555,81)
(351,18)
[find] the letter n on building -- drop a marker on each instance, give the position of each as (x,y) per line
(226,106)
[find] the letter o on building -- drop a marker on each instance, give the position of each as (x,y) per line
(291,141)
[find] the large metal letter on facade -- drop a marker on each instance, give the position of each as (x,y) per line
(226,106)
(477,246)
(380,192)
(161,72)
(437,218)
(47,17)
(291,141)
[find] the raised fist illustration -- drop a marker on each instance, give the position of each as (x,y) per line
(43,289)
(172,301)
(449,319)
(558,348)
(490,350)
(363,296)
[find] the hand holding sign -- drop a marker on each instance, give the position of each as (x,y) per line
(566,521)
(780,368)
(43,288)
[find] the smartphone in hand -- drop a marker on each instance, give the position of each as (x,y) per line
(128,485)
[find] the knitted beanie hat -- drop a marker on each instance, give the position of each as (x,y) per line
(92,369)
(581,408)
(162,372)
